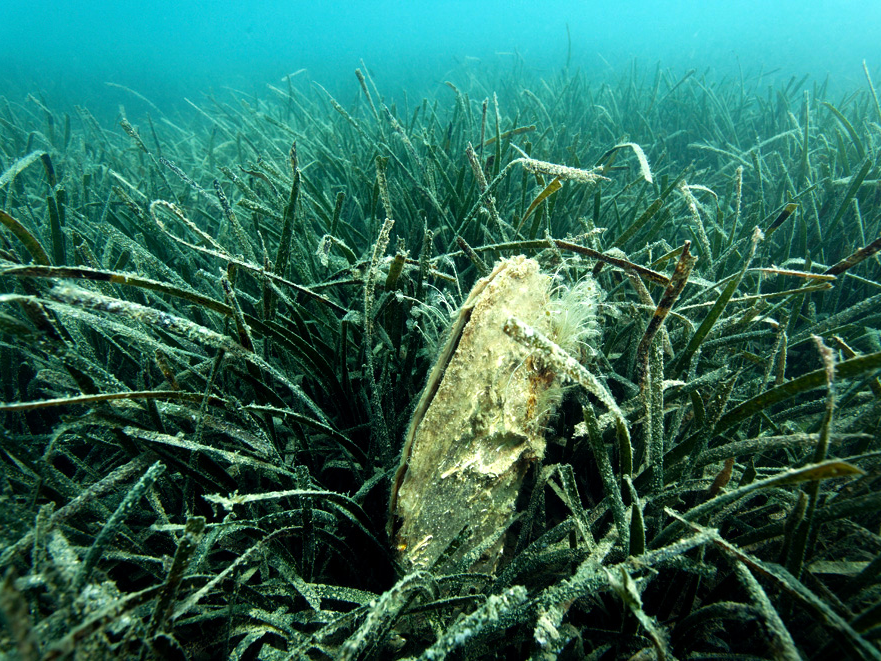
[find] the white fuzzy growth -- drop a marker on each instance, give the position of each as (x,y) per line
(562,171)
(572,316)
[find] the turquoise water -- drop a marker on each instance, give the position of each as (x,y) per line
(167,50)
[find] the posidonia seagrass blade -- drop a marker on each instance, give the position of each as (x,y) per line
(821,471)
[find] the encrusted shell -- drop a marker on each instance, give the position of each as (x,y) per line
(476,428)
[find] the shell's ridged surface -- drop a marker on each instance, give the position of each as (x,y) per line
(471,443)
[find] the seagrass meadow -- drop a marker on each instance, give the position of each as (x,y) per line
(215,327)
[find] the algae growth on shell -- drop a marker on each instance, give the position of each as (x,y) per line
(479,424)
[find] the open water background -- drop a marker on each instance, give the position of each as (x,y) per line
(169,50)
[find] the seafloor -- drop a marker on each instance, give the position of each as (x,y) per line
(215,325)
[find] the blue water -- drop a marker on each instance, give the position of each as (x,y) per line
(168,50)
